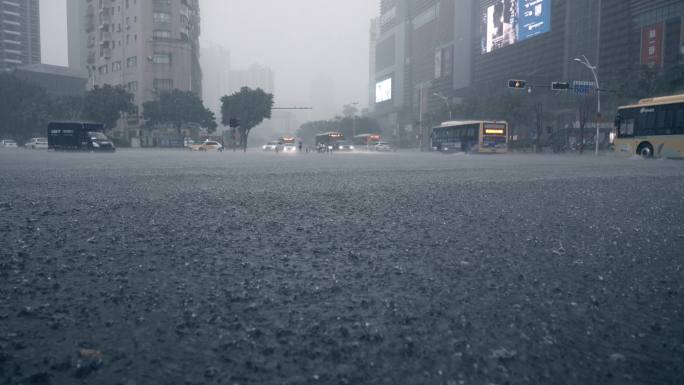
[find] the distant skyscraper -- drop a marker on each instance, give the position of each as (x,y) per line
(323,98)
(216,72)
(19,33)
(374,35)
(76,33)
(255,76)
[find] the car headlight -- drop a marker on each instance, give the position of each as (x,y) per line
(351,147)
(446,149)
(96,145)
(330,147)
(263,147)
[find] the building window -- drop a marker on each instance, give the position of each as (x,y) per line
(103,69)
(163,84)
(161,34)
(162,4)
(444,61)
(132,62)
(161,58)
(132,86)
(161,17)
(116,66)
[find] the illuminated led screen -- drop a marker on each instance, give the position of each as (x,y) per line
(510,21)
(383,90)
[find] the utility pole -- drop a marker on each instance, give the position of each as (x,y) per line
(420,117)
(594,70)
(353,104)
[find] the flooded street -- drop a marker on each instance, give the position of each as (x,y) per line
(167,267)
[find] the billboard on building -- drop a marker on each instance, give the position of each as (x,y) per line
(383,90)
(507,22)
(652,45)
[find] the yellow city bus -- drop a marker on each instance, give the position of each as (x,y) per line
(651,128)
(485,137)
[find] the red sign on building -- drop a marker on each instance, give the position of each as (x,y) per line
(652,45)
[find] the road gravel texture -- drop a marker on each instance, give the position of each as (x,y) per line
(167,267)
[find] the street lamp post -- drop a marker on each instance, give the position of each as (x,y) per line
(584,61)
(446,101)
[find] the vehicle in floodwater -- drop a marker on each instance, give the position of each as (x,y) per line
(78,136)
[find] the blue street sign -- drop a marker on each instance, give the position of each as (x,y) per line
(583,88)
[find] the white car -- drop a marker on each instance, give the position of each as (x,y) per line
(208,145)
(289,148)
(8,143)
(37,144)
(384,147)
(270,146)
(345,146)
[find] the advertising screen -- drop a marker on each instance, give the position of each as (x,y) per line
(383,90)
(507,22)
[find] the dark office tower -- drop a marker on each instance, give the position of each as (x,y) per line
(19,33)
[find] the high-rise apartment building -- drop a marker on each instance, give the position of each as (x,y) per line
(216,74)
(19,33)
(374,35)
(145,46)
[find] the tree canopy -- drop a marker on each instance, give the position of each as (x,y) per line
(178,108)
(106,104)
(250,107)
(25,109)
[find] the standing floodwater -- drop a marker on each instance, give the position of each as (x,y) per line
(165,267)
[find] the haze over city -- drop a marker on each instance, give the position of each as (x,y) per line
(300,40)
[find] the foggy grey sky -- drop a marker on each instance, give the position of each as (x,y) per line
(53,32)
(298,39)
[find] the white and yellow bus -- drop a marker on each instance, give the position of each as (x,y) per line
(485,137)
(651,128)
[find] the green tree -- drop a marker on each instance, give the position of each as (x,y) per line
(178,108)
(25,108)
(250,106)
(106,104)
(69,107)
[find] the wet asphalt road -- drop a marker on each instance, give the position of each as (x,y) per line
(167,267)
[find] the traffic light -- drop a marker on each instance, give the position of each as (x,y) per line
(234,123)
(517,84)
(560,86)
